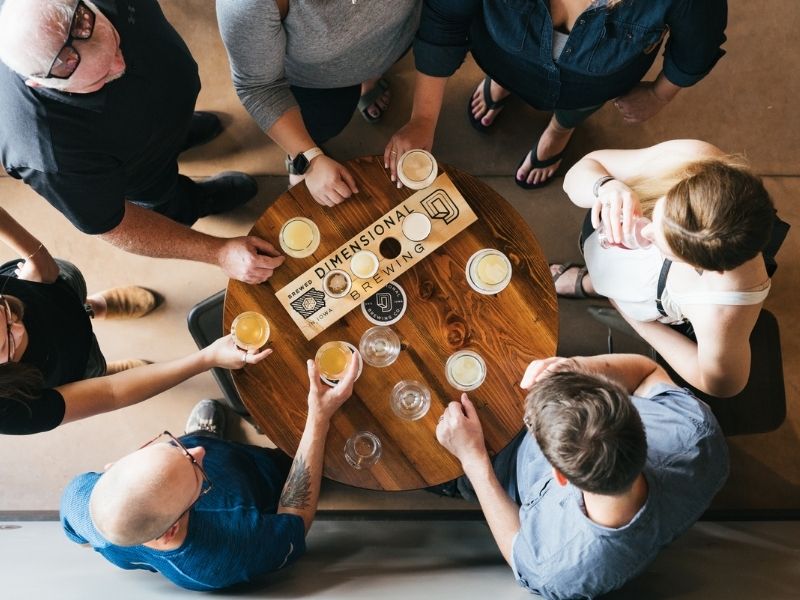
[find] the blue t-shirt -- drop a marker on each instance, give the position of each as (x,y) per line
(234,533)
(560,553)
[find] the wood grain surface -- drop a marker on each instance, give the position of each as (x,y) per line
(508,330)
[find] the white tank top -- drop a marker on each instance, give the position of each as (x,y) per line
(630,278)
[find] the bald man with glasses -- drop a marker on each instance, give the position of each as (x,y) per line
(98,101)
(204,512)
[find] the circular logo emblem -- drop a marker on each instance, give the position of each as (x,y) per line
(386,306)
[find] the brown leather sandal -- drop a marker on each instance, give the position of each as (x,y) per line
(579,292)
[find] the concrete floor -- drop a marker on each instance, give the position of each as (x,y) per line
(425,560)
(743,106)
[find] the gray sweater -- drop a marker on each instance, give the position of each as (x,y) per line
(320,44)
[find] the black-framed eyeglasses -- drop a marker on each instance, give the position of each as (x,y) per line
(68,58)
(205,485)
(9,336)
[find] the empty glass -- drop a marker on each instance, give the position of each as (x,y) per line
(379,346)
(362,449)
(633,241)
(410,399)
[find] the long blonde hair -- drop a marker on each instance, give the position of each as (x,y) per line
(717,213)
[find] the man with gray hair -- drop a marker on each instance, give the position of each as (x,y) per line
(204,512)
(98,102)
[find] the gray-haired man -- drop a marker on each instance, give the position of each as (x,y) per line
(98,100)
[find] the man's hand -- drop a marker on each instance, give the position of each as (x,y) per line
(329,182)
(417,134)
(460,432)
(540,369)
(224,353)
(249,259)
(40,268)
(324,403)
(641,103)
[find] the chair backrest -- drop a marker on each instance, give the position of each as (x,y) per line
(205,324)
(761,405)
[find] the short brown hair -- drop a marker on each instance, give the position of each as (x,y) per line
(588,429)
(718,217)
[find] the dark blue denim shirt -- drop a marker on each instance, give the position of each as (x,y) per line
(607,53)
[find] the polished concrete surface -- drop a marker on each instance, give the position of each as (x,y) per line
(425,560)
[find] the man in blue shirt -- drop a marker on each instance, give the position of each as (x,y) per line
(618,463)
(206,513)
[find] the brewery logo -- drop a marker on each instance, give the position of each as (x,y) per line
(309,303)
(440,206)
(387,306)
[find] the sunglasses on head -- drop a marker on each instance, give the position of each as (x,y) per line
(68,58)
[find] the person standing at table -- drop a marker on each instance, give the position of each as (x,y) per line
(98,100)
(615,462)
(45,312)
(695,287)
(565,56)
(216,519)
(300,67)
(29,404)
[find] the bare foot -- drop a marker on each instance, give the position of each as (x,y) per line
(376,109)
(554,139)
(479,110)
(565,284)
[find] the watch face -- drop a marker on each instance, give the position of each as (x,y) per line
(300,164)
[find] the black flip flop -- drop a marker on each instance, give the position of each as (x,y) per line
(490,105)
(370,98)
(537,164)
(579,292)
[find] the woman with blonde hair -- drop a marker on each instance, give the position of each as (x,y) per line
(698,262)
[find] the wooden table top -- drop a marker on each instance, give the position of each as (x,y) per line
(444,314)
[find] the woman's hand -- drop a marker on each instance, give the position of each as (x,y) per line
(329,182)
(40,267)
(226,354)
(617,206)
(417,134)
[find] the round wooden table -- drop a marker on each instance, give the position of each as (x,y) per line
(444,314)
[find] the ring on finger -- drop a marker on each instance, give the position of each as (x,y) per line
(244,356)
(393,152)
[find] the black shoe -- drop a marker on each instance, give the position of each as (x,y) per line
(207,418)
(204,128)
(225,191)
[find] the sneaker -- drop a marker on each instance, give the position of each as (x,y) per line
(207,417)
(116,366)
(225,191)
(204,128)
(129,302)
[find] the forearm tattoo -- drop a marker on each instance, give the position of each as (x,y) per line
(297,490)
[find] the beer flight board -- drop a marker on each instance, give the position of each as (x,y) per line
(311,298)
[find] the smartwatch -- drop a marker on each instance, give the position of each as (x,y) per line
(300,163)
